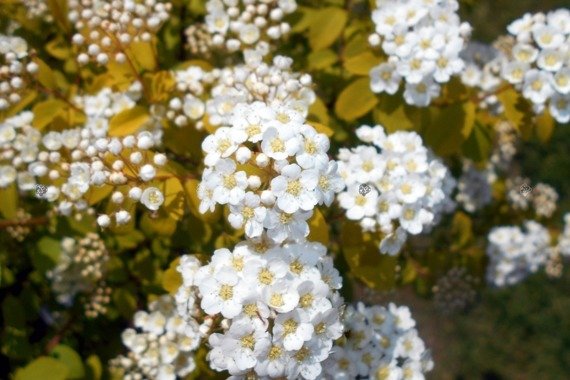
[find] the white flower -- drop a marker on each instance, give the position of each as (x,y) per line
(536,86)
(280,144)
(560,108)
(219,145)
(294,189)
(152,198)
(229,185)
(249,214)
(421,93)
(385,78)
(358,205)
(413,218)
(293,329)
(392,244)
(222,293)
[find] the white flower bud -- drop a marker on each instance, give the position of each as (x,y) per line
(122,217)
(103,220)
(159,159)
(136,158)
(135,193)
(117,197)
(267,198)
(243,154)
(262,160)
(254,182)
(147,172)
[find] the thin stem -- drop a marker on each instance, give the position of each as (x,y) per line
(24,222)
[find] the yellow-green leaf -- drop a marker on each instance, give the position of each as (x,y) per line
(355,100)
(319,228)
(518,111)
(171,279)
(321,128)
(144,54)
(71,359)
(128,121)
(479,144)
(394,115)
(449,127)
(361,64)
(318,110)
(544,126)
(9,201)
(41,367)
(321,59)
(326,26)
(45,112)
(94,368)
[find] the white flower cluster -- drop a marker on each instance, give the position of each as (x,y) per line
(275,84)
(422,39)
(161,346)
(564,238)
(474,187)
(379,343)
(198,40)
(541,197)
(483,71)
(106,28)
(280,307)
(37,9)
(539,65)
(514,254)
(20,231)
(15,69)
(505,146)
(271,168)
(401,189)
(80,268)
(238,24)
(455,291)
(84,158)
(186,105)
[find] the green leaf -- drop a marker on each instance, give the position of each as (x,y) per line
(544,126)
(125,302)
(394,115)
(128,121)
(94,368)
(319,230)
(461,229)
(43,368)
(171,278)
(326,26)
(355,100)
(9,201)
(449,127)
(45,112)
(322,59)
(47,256)
(479,144)
(71,359)
(518,111)
(361,64)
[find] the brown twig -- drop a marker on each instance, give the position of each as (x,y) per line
(24,222)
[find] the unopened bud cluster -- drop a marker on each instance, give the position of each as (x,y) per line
(422,40)
(474,187)
(409,188)
(455,291)
(275,84)
(15,70)
(80,268)
(21,230)
(541,198)
(161,345)
(105,29)
(538,64)
(239,24)
(379,343)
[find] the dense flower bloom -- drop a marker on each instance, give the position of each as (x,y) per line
(379,343)
(396,185)
(515,253)
(16,70)
(271,168)
(423,40)
(161,346)
(538,65)
(280,306)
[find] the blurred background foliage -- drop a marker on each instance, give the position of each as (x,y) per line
(521,332)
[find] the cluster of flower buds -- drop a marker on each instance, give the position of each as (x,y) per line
(106,29)
(187,105)
(161,346)
(271,168)
(505,146)
(538,64)
(455,291)
(37,9)
(379,343)
(541,197)
(238,24)
(474,187)
(21,230)
(198,40)
(483,71)
(423,40)
(514,254)
(15,69)
(401,189)
(279,306)
(96,304)
(80,269)
(275,84)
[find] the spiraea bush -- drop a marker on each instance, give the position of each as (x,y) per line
(189,189)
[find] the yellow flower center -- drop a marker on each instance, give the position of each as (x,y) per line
(290,326)
(294,187)
(360,200)
(275,353)
(226,292)
(265,276)
(230,181)
(276,300)
(306,300)
(296,266)
(277,145)
(223,145)
(248,342)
